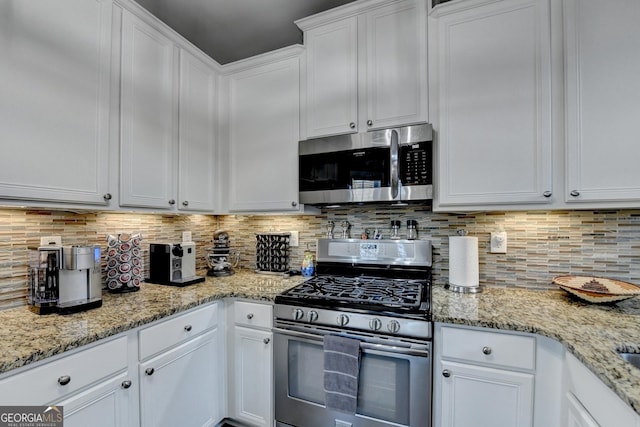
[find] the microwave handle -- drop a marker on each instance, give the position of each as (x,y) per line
(394,164)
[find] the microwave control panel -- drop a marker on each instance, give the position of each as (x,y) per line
(416,163)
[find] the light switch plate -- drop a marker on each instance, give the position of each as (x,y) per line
(498,242)
(294,239)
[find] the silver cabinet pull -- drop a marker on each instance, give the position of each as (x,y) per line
(369,122)
(352,125)
(266,340)
(486,350)
(126,384)
(575,193)
(547,194)
(250,316)
(64,380)
(185,203)
(149,371)
(172,202)
(107,196)
(188,328)
(446,373)
(294,204)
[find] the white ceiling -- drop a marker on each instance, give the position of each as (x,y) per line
(229,30)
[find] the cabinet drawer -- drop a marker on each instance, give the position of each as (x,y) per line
(489,348)
(51,381)
(253,314)
(169,333)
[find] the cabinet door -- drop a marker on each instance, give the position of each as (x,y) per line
(332,78)
(180,387)
(253,376)
(54,102)
(147,107)
(196,169)
(577,415)
(395,75)
(602,41)
(105,405)
(494,122)
(263,141)
(475,396)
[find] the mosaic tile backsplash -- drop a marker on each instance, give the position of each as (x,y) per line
(541,244)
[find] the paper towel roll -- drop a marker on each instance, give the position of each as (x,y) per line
(463,261)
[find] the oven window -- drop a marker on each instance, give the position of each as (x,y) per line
(383,387)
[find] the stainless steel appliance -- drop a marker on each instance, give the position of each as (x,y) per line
(64,279)
(220,258)
(173,264)
(378,292)
(389,165)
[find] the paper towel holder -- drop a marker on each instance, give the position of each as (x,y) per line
(463,289)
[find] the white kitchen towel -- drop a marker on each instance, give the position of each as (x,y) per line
(463,261)
(341,371)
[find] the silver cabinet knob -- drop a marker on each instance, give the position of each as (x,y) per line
(294,204)
(393,326)
(487,350)
(185,203)
(149,371)
(313,316)
(107,196)
(64,380)
(126,384)
(266,340)
(172,202)
(369,122)
(298,314)
(375,324)
(342,320)
(250,316)
(446,373)
(547,194)
(575,193)
(352,125)
(188,328)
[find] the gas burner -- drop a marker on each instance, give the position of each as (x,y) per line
(362,290)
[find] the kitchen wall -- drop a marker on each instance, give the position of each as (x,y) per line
(541,244)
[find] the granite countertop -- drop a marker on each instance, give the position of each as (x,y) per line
(591,332)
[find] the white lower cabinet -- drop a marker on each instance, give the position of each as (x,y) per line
(92,385)
(483,378)
(180,370)
(577,415)
(251,364)
(179,387)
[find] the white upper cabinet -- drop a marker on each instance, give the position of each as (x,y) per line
(54,101)
(332,78)
(602,54)
(168,120)
(493,102)
(147,157)
(262,125)
(365,67)
(196,143)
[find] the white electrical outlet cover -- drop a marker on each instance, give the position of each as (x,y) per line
(499,242)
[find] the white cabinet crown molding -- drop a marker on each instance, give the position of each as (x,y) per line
(277,55)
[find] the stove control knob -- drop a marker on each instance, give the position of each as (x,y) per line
(313,316)
(375,324)
(393,326)
(343,320)
(298,314)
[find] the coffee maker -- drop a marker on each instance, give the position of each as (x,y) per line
(220,258)
(64,279)
(173,264)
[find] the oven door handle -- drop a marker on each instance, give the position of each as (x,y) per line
(400,349)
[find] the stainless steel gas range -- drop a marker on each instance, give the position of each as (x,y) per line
(377,292)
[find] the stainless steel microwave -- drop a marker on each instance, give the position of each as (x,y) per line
(387,165)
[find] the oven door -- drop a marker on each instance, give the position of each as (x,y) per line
(394,387)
